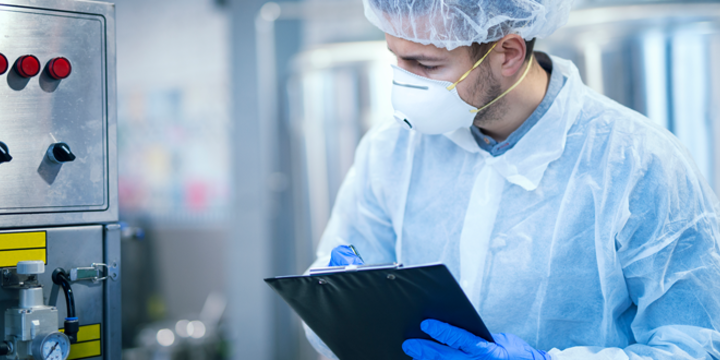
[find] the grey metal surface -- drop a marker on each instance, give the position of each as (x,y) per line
(38,112)
(112,332)
(79,110)
(69,247)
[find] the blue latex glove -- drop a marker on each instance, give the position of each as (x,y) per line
(462,345)
(343,255)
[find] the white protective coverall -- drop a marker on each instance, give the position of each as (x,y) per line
(594,237)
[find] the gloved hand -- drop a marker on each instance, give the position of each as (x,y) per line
(343,255)
(462,345)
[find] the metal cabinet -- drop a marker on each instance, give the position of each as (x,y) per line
(58,168)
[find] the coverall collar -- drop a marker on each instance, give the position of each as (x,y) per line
(526,162)
(555,84)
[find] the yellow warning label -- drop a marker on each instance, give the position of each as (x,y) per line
(84,350)
(16,247)
(88,343)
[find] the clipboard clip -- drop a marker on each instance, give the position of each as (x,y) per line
(351,268)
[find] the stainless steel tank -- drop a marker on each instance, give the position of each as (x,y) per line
(655,58)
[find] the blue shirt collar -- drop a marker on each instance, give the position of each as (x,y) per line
(557,80)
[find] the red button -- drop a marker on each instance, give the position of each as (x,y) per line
(59,68)
(3,64)
(27,66)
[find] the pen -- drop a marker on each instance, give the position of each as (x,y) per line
(356,253)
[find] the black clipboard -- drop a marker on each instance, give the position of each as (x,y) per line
(367,312)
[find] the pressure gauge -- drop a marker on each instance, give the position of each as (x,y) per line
(55,346)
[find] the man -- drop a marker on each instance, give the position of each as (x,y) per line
(576,227)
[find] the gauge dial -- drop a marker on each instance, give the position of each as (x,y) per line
(55,346)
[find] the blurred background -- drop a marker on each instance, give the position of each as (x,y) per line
(238,120)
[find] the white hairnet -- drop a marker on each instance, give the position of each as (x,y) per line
(454,23)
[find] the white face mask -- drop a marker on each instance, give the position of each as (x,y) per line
(426,106)
(433,106)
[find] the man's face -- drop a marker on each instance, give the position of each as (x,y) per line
(431,62)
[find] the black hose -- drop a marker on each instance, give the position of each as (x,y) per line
(60,277)
(72,325)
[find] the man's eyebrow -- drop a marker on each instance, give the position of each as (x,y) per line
(417,57)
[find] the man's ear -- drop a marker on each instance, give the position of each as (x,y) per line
(512,49)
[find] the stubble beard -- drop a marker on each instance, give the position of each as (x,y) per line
(490,89)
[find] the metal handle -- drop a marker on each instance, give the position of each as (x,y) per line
(92,273)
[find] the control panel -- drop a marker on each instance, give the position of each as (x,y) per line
(56,134)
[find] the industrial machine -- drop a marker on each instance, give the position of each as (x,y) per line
(59,237)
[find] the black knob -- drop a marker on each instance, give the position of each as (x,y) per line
(4,153)
(60,153)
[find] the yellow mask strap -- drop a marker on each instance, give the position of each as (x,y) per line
(473,68)
(527,70)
